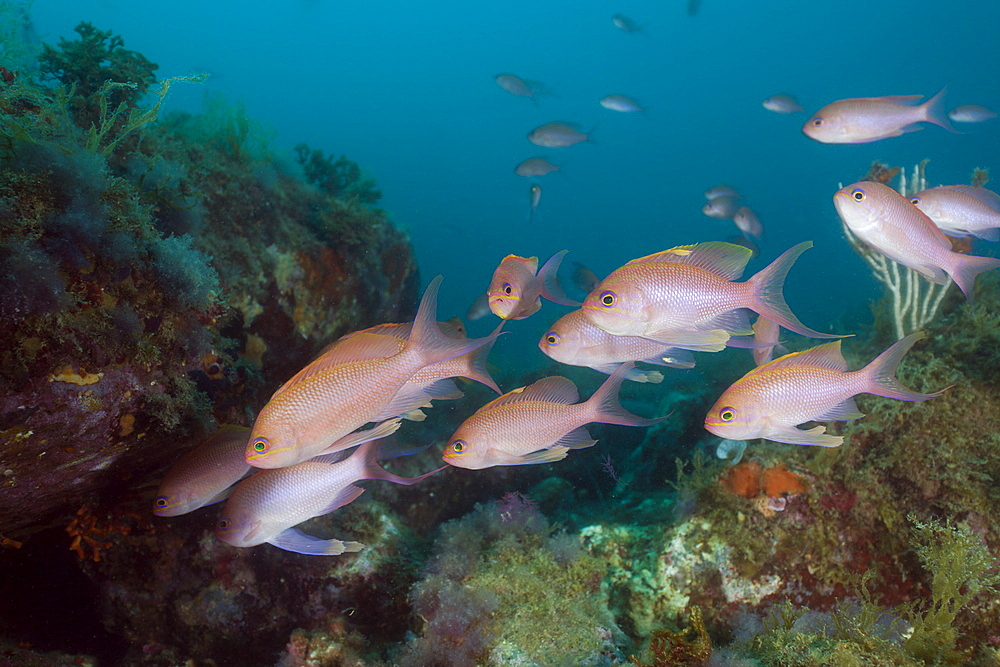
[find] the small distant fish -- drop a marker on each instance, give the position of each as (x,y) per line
(574,340)
(886,221)
(515,85)
(479,308)
(722,207)
(815,385)
(557,135)
(626,24)
(515,290)
(535,166)
(318,410)
(534,199)
(685,296)
(864,119)
(971,113)
(621,103)
(583,278)
(539,423)
(266,506)
(961,210)
(692,7)
(782,104)
(722,191)
(748,222)
(206,474)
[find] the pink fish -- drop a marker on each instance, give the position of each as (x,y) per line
(317,411)
(864,119)
(971,113)
(515,290)
(266,506)
(772,400)
(885,220)
(432,379)
(961,210)
(206,474)
(685,296)
(574,340)
(539,423)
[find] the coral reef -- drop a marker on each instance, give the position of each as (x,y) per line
(131,253)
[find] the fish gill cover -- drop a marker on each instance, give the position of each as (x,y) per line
(174,247)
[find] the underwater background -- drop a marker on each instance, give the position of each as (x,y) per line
(159,279)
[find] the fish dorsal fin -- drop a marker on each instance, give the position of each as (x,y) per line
(555,389)
(896,99)
(986,197)
(400,331)
(358,347)
(530,263)
(724,259)
(827,355)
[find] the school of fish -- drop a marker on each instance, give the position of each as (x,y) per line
(326,428)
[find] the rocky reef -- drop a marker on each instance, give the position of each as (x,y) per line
(158,279)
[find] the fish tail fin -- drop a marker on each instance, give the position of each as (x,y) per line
(367,456)
(606,408)
(478,368)
(429,342)
(880,375)
(769,300)
(549,277)
(967,267)
(936,112)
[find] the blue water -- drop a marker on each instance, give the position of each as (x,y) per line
(406,90)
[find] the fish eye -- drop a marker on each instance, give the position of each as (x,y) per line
(915,201)
(508,289)
(260,445)
(161,502)
(609,299)
(858,194)
(727,414)
(552,338)
(817,122)
(223,523)
(458,446)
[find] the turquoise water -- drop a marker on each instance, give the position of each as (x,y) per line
(407,91)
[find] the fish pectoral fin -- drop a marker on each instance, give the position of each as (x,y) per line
(345,496)
(549,455)
(221,495)
(412,397)
(846,409)
(380,430)
(699,341)
(297,541)
(795,436)
(578,438)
